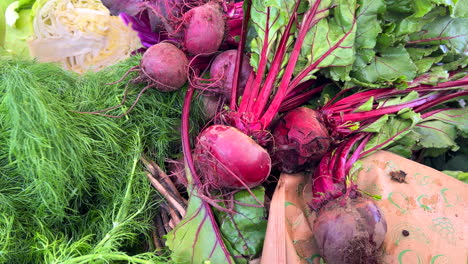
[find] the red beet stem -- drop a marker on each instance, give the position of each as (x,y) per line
(239,58)
(297,100)
(354,117)
(358,98)
(340,172)
(440,100)
(357,154)
(308,22)
(186,149)
(251,91)
(323,180)
(314,65)
(267,87)
(284,87)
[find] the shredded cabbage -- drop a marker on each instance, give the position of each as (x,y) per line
(80,35)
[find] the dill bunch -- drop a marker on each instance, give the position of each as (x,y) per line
(72,189)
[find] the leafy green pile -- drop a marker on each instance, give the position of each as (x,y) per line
(238,239)
(402,40)
(72,189)
(375,44)
(368,43)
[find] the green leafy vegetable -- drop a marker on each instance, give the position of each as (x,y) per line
(240,235)
(451,161)
(71,186)
(197,239)
(391,128)
(245,230)
(379,43)
(438,133)
(400,40)
(459,175)
(407,131)
(334,26)
(392,64)
(16,26)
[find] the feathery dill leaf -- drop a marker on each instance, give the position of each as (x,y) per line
(72,189)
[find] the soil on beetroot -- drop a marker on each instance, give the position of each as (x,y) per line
(398,176)
(360,252)
(350,231)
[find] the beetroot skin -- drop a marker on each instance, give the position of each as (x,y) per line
(222,151)
(222,70)
(211,106)
(299,138)
(205,28)
(167,65)
(350,231)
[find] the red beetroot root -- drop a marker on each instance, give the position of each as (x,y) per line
(205,27)
(350,231)
(211,106)
(163,66)
(228,158)
(222,70)
(299,138)
(166,65)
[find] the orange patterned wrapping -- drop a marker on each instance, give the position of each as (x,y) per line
(426,214)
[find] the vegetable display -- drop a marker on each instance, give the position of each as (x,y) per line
(244,92)
(289,67)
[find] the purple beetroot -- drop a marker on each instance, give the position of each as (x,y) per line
(204,29)
(350,231)
(300,138)
(228,158)
(165,65)
(222,72)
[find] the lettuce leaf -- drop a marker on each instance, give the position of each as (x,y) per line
(16,26)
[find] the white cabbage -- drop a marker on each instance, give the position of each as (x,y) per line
(80,35)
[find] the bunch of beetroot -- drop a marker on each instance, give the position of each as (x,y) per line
(180,37)
(246,141)
(257,121)
(160,20)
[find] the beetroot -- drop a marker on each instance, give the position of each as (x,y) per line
(350,231)
(299,138)
(205,28)
(166,65)
(228,158)
(222,70)
(211,105)
(163,66)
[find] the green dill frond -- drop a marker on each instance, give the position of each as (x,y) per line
(72,189)
(6,230)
